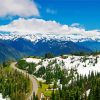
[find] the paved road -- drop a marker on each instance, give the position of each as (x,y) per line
(33,80)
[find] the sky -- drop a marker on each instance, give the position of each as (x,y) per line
(84,12)
(75,13)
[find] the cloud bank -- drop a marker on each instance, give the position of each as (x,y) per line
(22,8)
(45,27)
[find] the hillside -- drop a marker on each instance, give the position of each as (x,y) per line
(13,84)
(14,49)
(66,76)
(7,52)
(83,64)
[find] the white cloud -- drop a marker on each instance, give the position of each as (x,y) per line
(35,26)
(45,27)
(22,8)
(51,11)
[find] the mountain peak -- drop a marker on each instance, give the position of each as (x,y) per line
(37,36)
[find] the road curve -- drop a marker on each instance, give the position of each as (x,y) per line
(32,79)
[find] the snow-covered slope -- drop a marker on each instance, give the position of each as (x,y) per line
(83,64)
(32,60)
(1,97)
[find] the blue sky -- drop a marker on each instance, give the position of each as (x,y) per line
(84,12)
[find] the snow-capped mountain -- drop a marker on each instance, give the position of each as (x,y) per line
(34,29)
(37,36)
(27,45)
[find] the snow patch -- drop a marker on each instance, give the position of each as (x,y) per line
(32,60)
(83,65)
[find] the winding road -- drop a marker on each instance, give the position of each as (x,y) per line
(32,79)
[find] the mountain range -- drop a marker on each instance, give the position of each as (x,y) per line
(16,45)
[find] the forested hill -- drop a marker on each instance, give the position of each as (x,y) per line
(65,77)
(13,84)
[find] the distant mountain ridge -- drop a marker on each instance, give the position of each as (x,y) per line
(34,37)
(18,44)
(14,49)
(93,45)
